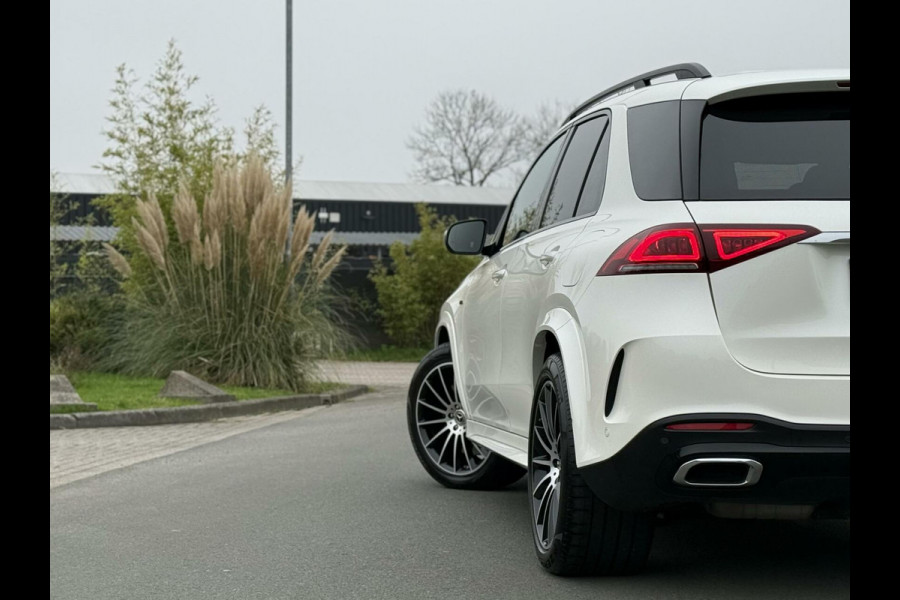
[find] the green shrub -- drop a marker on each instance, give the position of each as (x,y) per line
(80,324)
(224,301)
(421,277)
(81,310)
(57,267)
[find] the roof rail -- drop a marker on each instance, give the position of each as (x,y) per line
(680,71)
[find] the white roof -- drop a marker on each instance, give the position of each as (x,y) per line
(304,190)
(401,192)
(82,183)
(82,233)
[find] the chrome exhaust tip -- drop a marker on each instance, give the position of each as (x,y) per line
(719,472)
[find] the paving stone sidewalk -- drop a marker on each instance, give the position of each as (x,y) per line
(79,453)
(375,374)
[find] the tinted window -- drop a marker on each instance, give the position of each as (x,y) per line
(571,173)
(653,150)
(523,215)
(596,179)
(790,147)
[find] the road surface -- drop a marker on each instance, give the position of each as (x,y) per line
(333,504)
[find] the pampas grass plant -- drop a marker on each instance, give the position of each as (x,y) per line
(226,302)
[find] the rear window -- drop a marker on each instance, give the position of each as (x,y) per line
(782,147)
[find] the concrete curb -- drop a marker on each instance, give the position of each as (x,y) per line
(203,412)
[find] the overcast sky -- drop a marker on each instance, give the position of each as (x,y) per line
(364,70)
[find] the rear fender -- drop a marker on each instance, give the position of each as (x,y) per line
(567,331)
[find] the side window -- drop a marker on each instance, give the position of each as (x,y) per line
(572,171)
(654,150)
(522,215)
(592,193)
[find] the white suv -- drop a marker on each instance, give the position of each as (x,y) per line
(662,318)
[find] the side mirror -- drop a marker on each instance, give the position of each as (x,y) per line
(466,237)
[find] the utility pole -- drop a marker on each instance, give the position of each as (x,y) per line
(288,118)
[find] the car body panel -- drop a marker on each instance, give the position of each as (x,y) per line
(676,361)
(478,343)
(786,311)
(728,87)
(533,274)
(693,343)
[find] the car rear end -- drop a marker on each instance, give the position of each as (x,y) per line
(731,379)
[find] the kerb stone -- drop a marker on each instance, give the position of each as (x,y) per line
(181,384)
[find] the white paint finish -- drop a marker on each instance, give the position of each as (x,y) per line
(677,361)
(787,311)
(447,320)
(478,339)
(827,215)
(514,447)
(533,266)
(695,374)
(567,332)
(762,82)
(616,311)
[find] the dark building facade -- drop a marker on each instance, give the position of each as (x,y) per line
(351,207)
(368,217)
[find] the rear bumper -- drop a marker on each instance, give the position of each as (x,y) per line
(801,464)
(675,362)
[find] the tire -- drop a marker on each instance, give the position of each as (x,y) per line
(436,423)
(574,532)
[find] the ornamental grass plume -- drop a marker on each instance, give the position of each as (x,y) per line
(117,261)
(304,223)
(187,223)
(227,303)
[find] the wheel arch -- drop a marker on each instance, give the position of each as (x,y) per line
(445,332)
(441,335)
(545,345)
(561,332)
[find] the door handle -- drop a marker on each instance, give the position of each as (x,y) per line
(499,275)
(547,258)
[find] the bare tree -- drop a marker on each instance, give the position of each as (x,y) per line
(541,126)
(467,139)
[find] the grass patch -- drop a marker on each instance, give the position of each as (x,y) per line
(387,354)
(124,392)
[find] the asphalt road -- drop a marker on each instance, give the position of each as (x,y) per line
(335,505)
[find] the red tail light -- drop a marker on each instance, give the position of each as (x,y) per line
(709,427)
(730,244)
(664,249)
(685,248)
